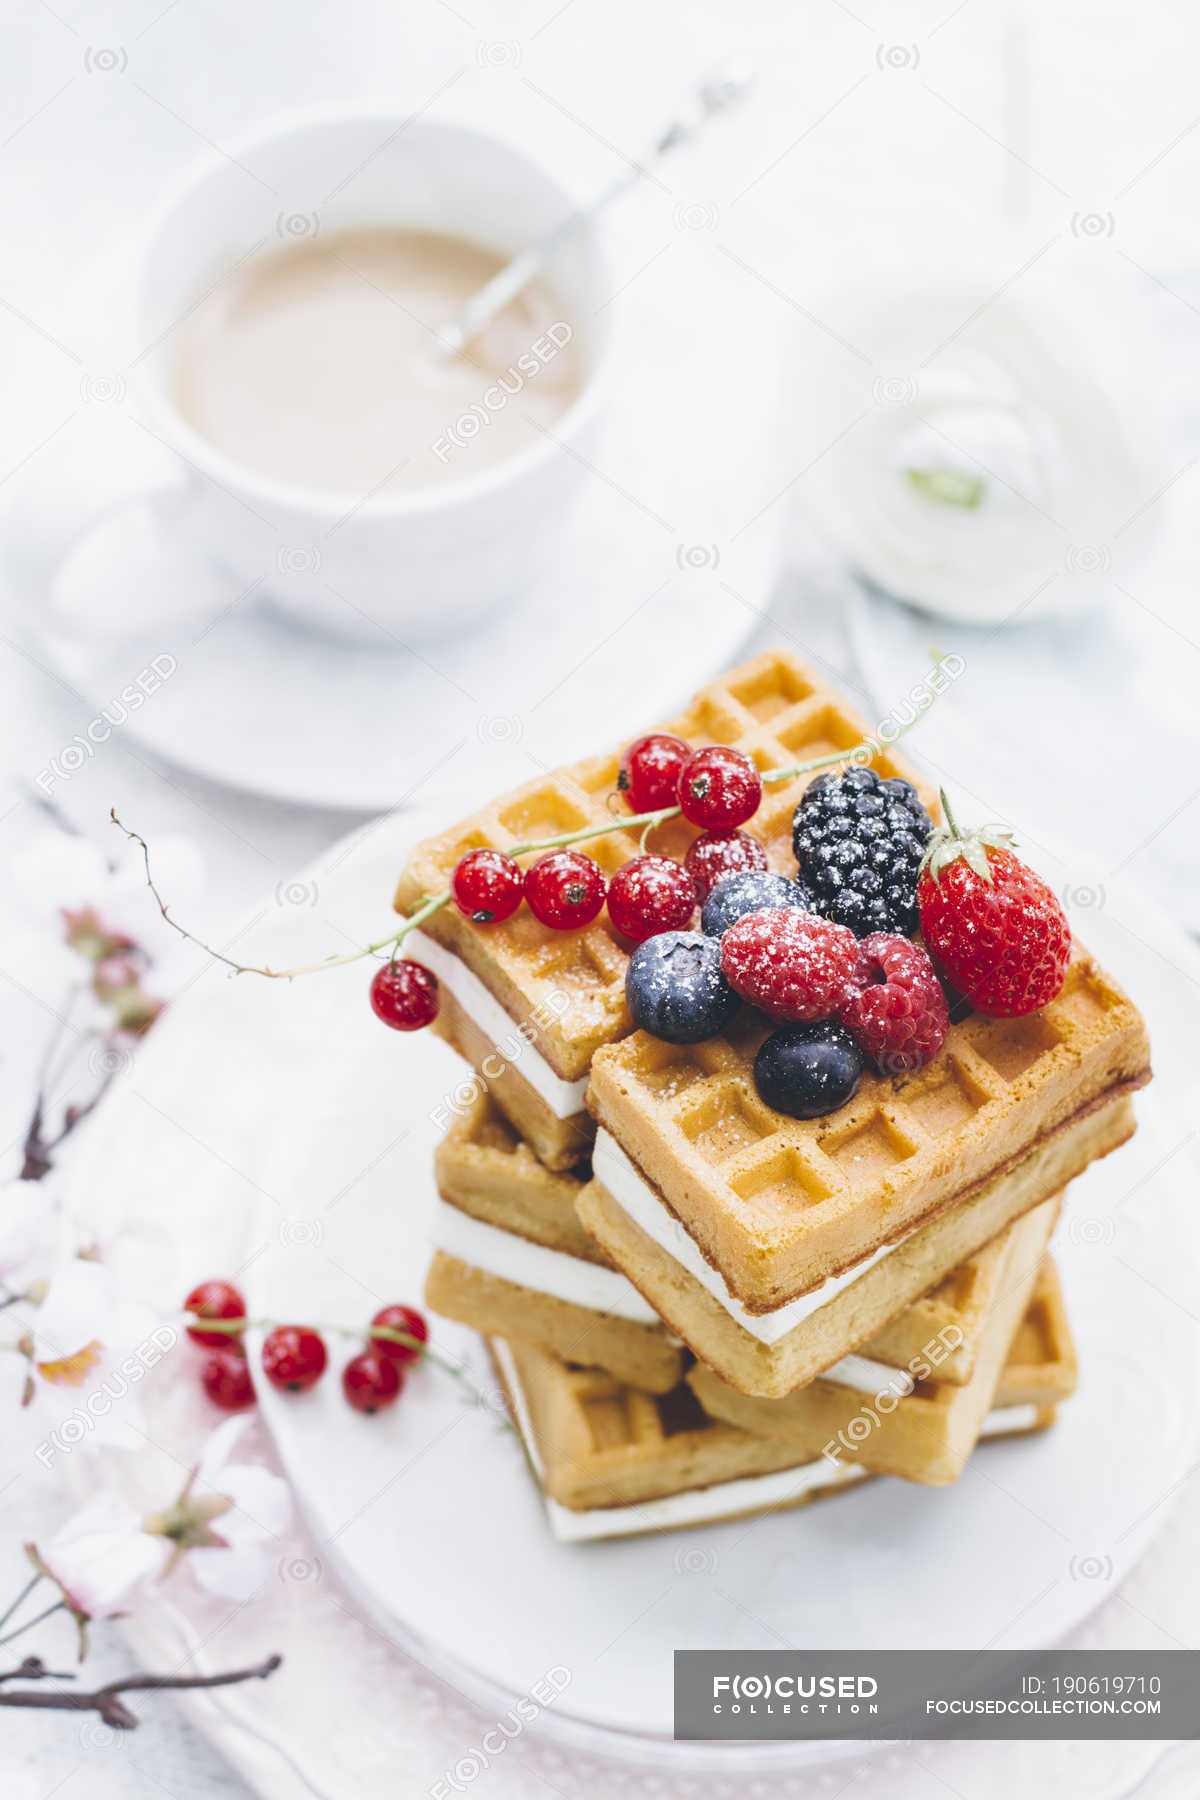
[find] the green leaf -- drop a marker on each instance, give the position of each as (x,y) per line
(949,487)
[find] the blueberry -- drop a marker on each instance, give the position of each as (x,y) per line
(808,1070)
(675,989)
(747,891)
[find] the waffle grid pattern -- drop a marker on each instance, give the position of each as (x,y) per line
(597,1436)
(773,709)
(699,1102)
(486,1168)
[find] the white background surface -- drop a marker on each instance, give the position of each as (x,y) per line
(996,134)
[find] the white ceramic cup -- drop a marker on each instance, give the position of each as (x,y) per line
(427,560)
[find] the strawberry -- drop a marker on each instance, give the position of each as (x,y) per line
(994,927)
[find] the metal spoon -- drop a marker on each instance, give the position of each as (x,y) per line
(719,90)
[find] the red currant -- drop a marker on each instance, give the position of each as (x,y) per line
(565,890)
(718,853)
(719,788)
(225,1378)
(650,769)
(404,995)
(487,885)
(371,1382)
(649,895)
(399,1318)
(214,1300)
(293,1358)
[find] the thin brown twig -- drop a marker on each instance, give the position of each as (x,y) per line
(106,1700)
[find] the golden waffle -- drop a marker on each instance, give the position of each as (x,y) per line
(777,1205)
(898,1420)
(612,1460)
(485,1171)
(643,1355)
(864,1305)
(569,987)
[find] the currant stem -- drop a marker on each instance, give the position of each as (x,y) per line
(235,1327)
(433,903)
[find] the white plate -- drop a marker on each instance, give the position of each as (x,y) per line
(303,1130)
(657,577)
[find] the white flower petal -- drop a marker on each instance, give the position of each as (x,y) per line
(235,1573)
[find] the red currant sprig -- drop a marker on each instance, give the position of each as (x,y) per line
(717,788)
(651,894)
(650,770)
(565,890)
(405,995)
(715,854)
(487,885)
(294,1357)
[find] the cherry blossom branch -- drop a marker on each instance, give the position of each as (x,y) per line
(106,1700)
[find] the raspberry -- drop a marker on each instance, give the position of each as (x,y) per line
(649,772)
(719,788)
(992,924)
(487,885)
(565,890)
(859,842)
(791,964)
(715,854)
(898,1015)
(650,894)
(404,995)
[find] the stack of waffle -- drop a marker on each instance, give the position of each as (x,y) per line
(700,1307)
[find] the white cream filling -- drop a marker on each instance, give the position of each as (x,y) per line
(634,1194)
(1009,1418)
(692,1508)
(512,1258)
(512,1048)
(867,1377)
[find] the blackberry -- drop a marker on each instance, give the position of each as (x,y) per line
(859,841)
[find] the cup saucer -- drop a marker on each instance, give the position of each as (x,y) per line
(665,566)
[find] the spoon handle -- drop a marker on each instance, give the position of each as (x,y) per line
(717,91)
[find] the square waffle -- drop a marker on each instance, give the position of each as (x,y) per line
(512,1258)
(778,1205)
(770,1354)
(565,991)
(898,1420)
(616,1462)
